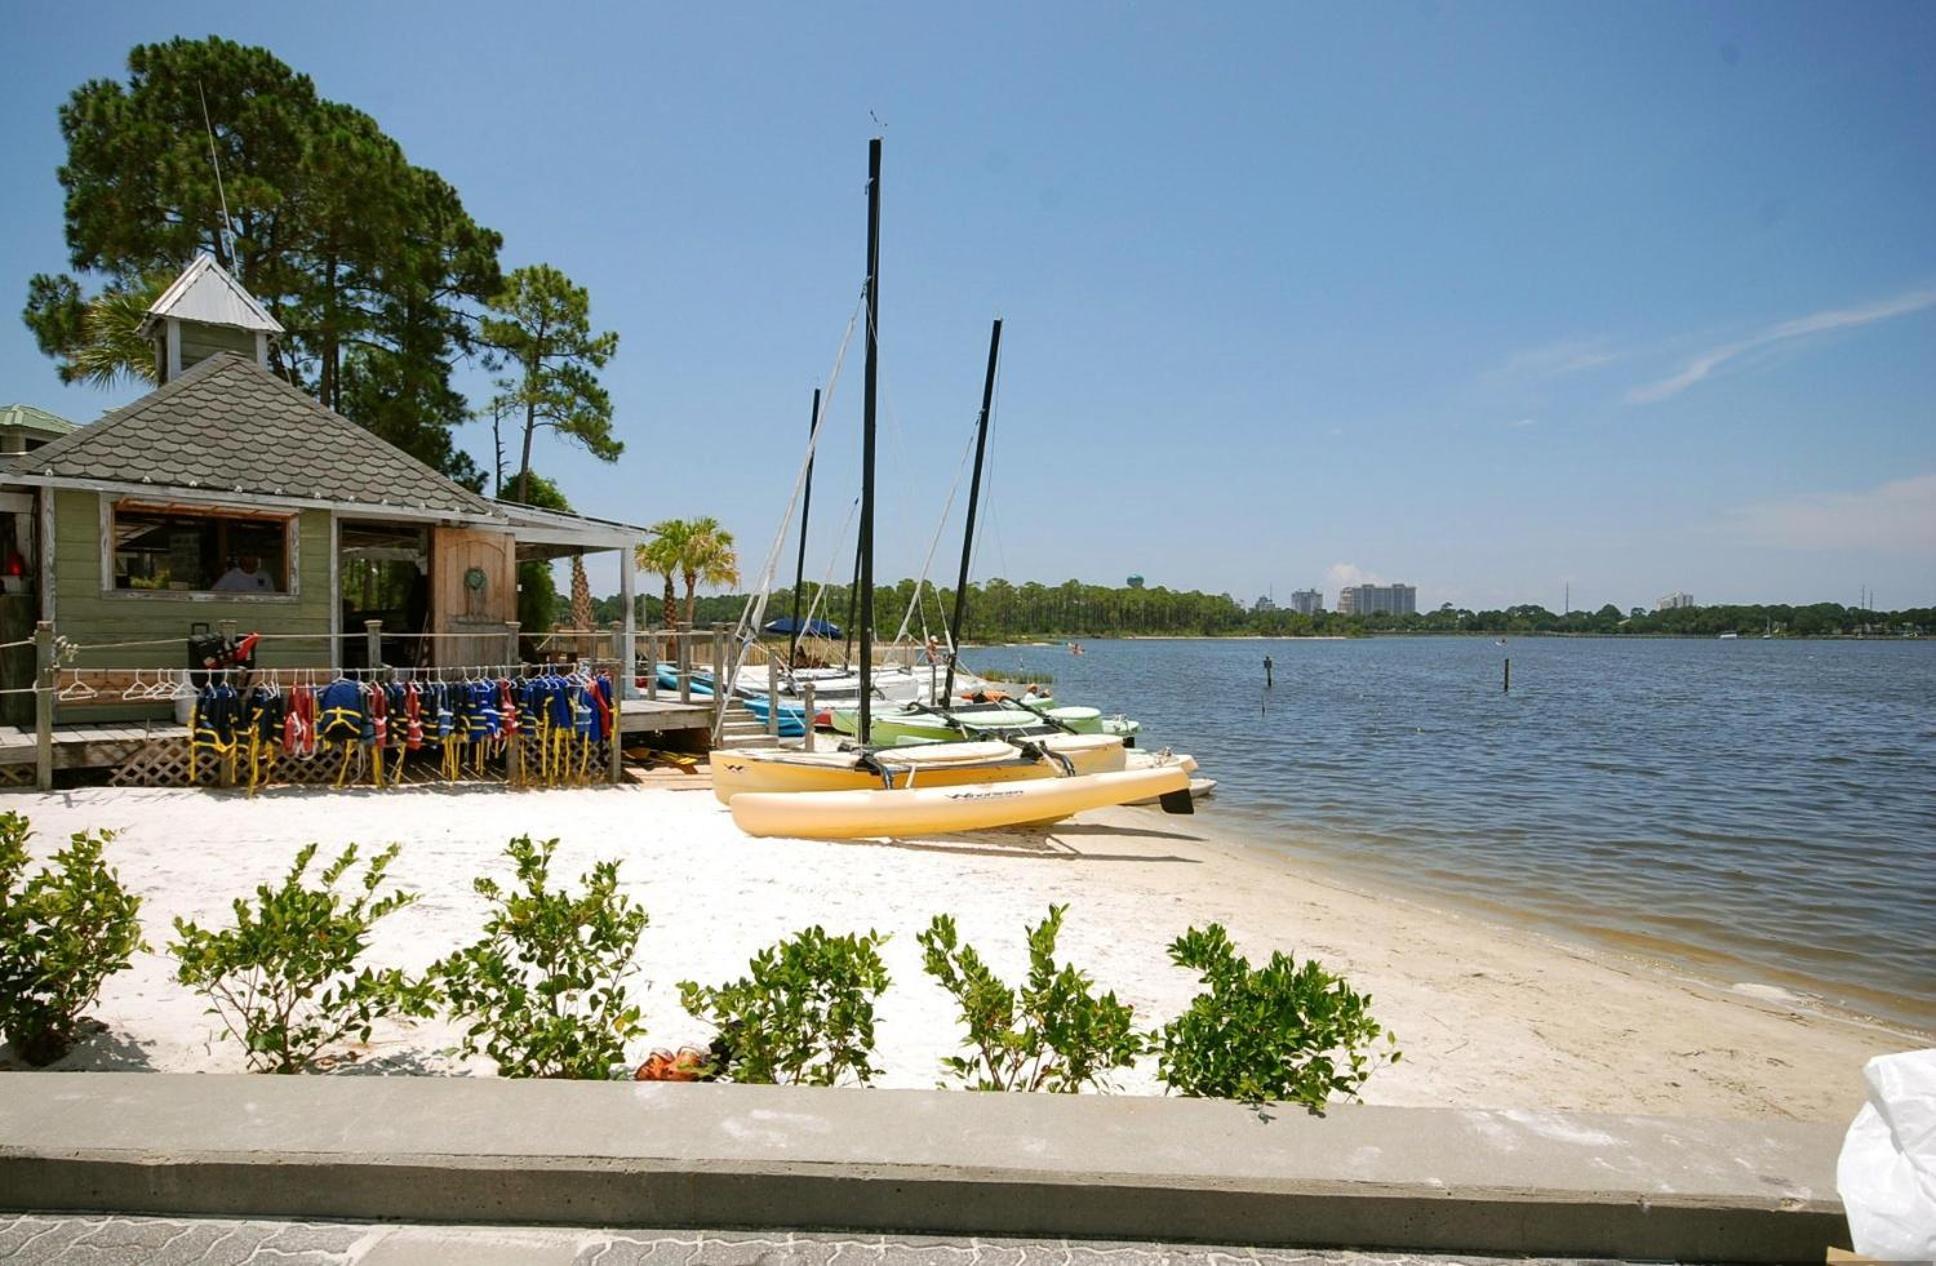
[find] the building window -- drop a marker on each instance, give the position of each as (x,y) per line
(183,549)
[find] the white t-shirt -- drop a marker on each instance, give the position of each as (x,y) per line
(235,580)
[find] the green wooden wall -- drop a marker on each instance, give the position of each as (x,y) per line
(87,615)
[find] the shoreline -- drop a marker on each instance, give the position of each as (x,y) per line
(1488,1016)
(1680,959)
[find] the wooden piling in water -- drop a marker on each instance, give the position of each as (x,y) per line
(1508,686)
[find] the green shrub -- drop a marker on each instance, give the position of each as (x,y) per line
(544,991)
(1283,1032)
(62,933)
(804,1016)
(284,979)
(1053,1035)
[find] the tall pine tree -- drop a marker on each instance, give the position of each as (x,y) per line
(371,264)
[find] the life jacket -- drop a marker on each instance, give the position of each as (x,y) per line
(218,710)
(445,722)
(482,720)
(294,727)
(267,710)
(413,734)
(508,707)
(340,716)
(606,717)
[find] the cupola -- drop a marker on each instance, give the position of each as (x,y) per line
(204,312)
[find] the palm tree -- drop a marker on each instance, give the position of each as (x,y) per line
(709,556)
(664,555)
(111,347)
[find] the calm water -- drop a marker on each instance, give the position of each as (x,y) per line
(1762,810)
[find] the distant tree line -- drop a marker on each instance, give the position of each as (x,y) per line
(999,610)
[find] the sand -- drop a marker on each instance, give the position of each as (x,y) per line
(1487,1016)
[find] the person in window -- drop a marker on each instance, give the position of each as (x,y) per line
(246,576)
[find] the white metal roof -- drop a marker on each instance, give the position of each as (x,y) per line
(205,293)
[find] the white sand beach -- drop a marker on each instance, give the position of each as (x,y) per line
(1487,1016)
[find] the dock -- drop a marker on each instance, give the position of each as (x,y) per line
(112,744)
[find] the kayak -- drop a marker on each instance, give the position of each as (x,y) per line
(784,770)
(793,720)
(890,724)
(842,815)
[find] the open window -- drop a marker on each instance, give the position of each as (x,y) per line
(197,549)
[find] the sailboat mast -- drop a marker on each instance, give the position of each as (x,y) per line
(974,501)
(806,508)
(864,730)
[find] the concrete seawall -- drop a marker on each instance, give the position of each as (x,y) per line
(625,1154)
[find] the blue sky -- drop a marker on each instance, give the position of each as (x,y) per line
(1487,298)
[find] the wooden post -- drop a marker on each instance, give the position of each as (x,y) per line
(1268,666)
(682,663)
(1508,688)
(807,708)
(373,645)
(512,631)
(44,704)
(772,698)
(652,664)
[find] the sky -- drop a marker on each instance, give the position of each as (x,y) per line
(1493,299)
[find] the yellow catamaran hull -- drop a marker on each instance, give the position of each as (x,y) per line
(785,771)
(845,815)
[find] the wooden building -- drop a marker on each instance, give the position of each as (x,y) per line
(228,495)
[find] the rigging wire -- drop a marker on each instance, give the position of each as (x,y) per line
(753,615)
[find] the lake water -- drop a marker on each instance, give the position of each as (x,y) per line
(1763,811)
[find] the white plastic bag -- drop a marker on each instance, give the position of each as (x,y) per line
(1887,1171)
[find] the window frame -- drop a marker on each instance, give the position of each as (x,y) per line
(112,505)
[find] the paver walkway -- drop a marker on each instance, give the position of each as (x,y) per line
(56,1240)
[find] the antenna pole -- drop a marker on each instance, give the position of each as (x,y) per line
(872,380)
(974,501)
(806,507)
(225,238)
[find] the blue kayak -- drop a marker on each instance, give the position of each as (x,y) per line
(702,683)
(793,718)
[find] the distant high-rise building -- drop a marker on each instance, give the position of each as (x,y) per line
(1372,599)
(1264,604)
(1307,601)
(1673,601)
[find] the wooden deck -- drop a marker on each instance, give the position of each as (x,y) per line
(106,744)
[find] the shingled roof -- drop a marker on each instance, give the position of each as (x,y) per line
(227,425)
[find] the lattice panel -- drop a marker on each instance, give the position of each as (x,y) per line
(164,762)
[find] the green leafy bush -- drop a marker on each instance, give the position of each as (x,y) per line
(544,991)
(284,979)
(804,1016)
(62,933)
(1054,1034)
(1280,1033)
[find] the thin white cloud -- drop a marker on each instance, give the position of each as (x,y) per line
(1898,517)
(1818,323)
(1555,360)
(1344,575)
(1523,422)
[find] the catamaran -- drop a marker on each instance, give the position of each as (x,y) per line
(869,791)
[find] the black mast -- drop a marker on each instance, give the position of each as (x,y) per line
(974,499)
(806,507)
(864,731)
